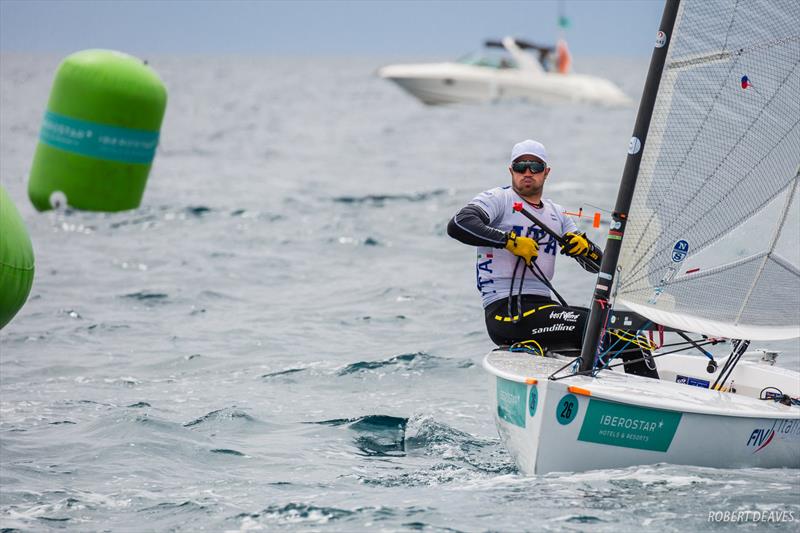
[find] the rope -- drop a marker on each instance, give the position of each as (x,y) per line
(530,346)
(623,363)
(637,339)
(780,397)
(511,291)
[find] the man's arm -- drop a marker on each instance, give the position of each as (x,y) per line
(471,226)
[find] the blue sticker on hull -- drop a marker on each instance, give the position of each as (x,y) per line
(567,409)
(511,401)
(533,400)
(688,380)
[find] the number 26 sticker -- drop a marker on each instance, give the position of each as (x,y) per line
(567,409)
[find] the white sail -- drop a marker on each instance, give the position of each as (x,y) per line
(712,242)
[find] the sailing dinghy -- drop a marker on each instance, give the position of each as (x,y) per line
(704,241)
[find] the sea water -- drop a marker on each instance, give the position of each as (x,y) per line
(283,337)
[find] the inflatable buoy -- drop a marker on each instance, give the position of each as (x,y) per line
(99,134)
(16,260)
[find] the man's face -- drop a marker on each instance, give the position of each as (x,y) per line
(528,183)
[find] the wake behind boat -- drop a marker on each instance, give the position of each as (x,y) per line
(517,74)
(705,238)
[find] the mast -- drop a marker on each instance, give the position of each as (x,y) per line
(605,278)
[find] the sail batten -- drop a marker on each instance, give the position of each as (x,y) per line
(695,195)
(771,249)
(640,269)
(712,232)
(708,179)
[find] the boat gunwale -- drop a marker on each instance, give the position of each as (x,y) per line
(771,411)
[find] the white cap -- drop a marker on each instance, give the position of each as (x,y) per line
(529,147)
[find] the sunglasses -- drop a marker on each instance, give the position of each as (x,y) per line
(534,166)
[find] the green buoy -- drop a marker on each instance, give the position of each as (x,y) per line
(99,134)
(16,260)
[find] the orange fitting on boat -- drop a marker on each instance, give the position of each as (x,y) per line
(596,220)
(531,381)
(579,390)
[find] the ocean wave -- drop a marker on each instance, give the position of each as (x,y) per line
(367,241)
(376,435)
(222,416)
(184,506)
(406,361)
(307,513)
(381,199)
(147,298)
(77,221)
(227,451)
(393,436)
(282,373)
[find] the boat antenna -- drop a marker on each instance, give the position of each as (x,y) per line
(605,278)
(563,20)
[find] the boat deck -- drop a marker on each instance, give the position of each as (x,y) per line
(627,388)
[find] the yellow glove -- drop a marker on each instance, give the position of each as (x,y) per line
(524,247)
(576,244)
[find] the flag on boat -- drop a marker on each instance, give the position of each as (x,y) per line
(563,57)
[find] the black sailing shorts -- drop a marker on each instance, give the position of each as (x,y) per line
(554,327)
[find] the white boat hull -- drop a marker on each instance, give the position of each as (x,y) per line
(618,420)
(447,83)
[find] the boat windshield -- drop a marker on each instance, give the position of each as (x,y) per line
(484,59)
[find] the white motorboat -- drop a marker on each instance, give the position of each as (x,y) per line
(516,74)
(704,241)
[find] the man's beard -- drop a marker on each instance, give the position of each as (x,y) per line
(530,191)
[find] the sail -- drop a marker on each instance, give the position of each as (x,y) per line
(712,240)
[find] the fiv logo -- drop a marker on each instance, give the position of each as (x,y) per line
(760,438)
(785,429)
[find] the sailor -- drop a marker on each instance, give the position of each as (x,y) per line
(516,260)
(517,299)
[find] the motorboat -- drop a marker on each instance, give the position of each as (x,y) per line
(509,69)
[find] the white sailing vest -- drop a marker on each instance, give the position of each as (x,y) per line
(495,266)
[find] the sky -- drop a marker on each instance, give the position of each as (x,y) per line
(415,28)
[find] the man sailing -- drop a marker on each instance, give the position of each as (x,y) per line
(517,299)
